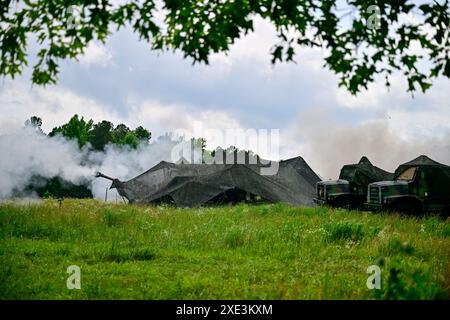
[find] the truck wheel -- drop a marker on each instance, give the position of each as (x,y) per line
(342,203)
(446,211)
(405,208)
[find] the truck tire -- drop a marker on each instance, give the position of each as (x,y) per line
(345,203)
(407,208)
(446,211)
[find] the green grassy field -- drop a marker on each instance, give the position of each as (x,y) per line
(237,252)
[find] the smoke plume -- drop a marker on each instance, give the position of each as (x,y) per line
(327,146)
(324,144)
(28,152)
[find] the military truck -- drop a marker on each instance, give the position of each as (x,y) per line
(350,190)
(420,185)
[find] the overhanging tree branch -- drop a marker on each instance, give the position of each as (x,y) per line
(379,37)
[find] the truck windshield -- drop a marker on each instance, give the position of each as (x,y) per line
(408,174)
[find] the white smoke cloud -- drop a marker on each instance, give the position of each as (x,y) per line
(328,145)
(27,152)
(124,164)
(325,145)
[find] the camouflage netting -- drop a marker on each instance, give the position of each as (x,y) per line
(189,185)
(432,179)
(364,173)
(425,162)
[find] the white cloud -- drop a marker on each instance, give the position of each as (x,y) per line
(181,119)
(96,55)
(55,105)
(398,136)
(254,49)
(368,99)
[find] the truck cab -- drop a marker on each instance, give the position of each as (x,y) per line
(333,192)
(350,190)
(422,185)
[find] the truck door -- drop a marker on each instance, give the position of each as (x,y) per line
(434,186)
(421,185)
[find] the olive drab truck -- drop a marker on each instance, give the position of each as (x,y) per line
(350,190)
(420,185)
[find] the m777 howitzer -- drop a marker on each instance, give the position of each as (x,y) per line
(116,183)
(189,185)
(98,174)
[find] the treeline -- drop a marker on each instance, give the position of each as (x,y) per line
(90,135)
(95,136)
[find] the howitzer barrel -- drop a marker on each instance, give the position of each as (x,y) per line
(101,175)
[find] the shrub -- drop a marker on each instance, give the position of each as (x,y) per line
(344,231)
(446,231)
(395,246)
(111,217)
(234,238)
(127,254)
(264,210)
(400,285)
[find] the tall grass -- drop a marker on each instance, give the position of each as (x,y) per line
(270,251)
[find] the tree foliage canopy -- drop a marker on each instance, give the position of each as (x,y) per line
(35,123)
(360,38)
(77,129)
(99,135)
(94,137)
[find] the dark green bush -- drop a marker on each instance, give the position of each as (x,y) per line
(344,231)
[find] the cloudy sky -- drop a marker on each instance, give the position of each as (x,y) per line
(124,81)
